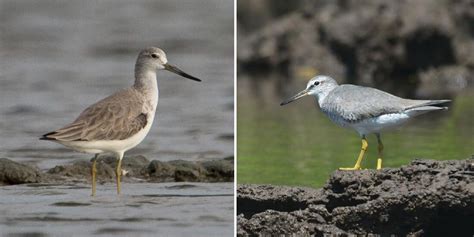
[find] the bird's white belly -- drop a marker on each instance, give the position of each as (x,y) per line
(113,146)
(377,124)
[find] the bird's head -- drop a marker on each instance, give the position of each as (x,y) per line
(154,58)
(317,86)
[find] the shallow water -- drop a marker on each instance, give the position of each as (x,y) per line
(298,145)
(59,57)
(144,209)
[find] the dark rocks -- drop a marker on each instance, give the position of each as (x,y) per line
(160,171)
(134,168)
(139,167)
(133,165)
(15,173)
(219,170)
(187,171)
(179,170)
(386,44)
(82,169)
(258,198)
(425,198)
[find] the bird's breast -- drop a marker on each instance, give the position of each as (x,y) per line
(335,117)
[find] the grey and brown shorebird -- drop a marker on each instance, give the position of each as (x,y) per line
(365,109)
(120,121)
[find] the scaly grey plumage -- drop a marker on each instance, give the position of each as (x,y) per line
(355,103)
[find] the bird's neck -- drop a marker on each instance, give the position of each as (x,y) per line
(145,78)
(321,97)
(146,83)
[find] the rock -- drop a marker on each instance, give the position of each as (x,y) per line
(219,170)
(132,165)
(81,169)
(382,43)
(160,171)
(424,198)
(187,171)
(15,173)
(258,198)
(139,167)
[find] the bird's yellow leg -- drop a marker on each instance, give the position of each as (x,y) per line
(361,155)
(380,152)
(118,173)
(93,173)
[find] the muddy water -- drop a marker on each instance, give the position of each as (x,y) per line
(144,209)
(56,58)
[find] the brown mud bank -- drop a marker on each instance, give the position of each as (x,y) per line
(135,169)
(424,198)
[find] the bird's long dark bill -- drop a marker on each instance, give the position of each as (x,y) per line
(178,71)
(295,97)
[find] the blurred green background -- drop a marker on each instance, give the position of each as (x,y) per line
(399,47)
(298,145)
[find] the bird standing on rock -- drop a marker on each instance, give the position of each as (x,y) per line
(120,121)
(365,109)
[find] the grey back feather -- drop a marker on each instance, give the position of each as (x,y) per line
(354,103)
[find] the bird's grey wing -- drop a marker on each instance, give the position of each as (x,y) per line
(354,103)
(113,118)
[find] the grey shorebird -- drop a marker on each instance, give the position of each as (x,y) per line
(120,121)
(365,109)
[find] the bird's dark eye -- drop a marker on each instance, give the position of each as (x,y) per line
(154,55)
(316,83)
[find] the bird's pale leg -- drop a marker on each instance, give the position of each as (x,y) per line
(118,172)
(380,151)
(361,155)
(93,173)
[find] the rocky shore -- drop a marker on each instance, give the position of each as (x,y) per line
(135,169)
(424,198)
(412,48)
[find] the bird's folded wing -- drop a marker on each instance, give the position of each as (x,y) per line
(108,119)
(354,103)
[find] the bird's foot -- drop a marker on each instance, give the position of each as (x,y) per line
(352,168)
(379,163)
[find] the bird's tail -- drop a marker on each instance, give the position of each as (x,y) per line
(426,106)
(46,136)
(430,103)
